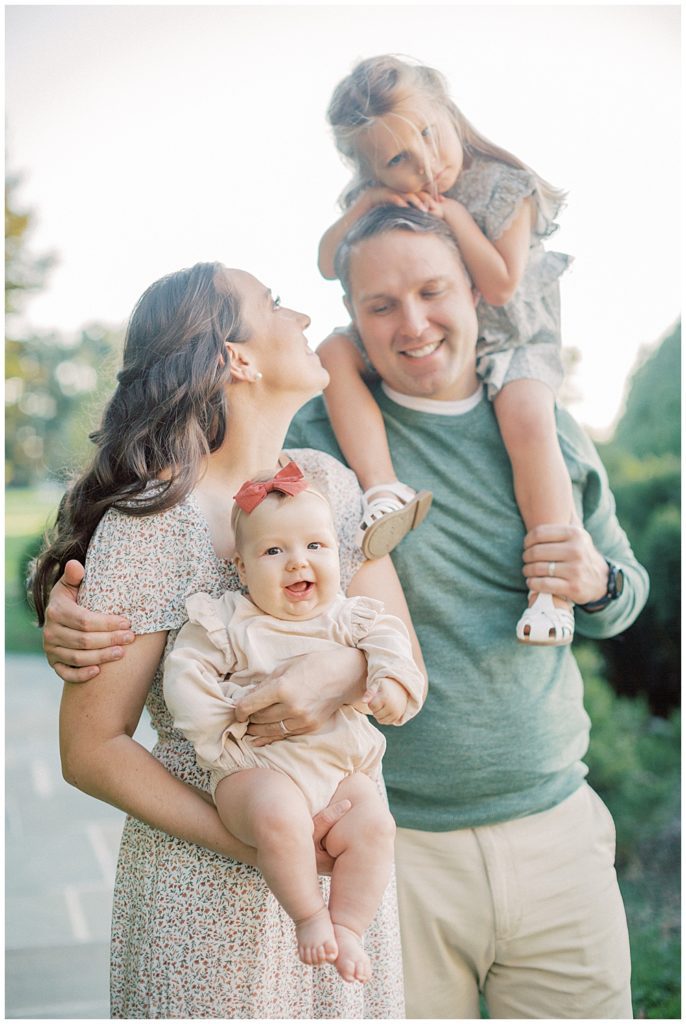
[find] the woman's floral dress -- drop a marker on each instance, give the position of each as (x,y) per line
(195,934)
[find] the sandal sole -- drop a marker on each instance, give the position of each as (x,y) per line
(545,643)
(386,533)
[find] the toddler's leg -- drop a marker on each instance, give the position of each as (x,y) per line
(391,508)
(525,410)
(362,843)
(267,810)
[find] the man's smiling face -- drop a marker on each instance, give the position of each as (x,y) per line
(415,311)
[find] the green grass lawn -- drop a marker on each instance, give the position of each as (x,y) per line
(27,511)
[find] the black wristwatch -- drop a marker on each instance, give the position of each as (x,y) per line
(615,586)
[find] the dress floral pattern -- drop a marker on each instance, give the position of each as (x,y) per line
(195,934)
(520,340)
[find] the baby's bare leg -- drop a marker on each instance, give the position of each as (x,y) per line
(267,810)
(362,843)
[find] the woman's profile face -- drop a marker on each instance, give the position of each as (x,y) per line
(276,336)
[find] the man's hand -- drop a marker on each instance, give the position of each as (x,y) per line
(323,823)
(387,701)
(562,560)
(303,694)
(76,640)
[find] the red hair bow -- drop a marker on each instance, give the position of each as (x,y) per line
(288,480)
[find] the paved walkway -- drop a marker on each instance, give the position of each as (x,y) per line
(60,855)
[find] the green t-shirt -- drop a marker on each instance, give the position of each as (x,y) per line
(503,731)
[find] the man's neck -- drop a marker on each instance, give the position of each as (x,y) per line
(436,406)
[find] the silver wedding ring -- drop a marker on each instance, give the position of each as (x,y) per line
(283,729)
(551,568)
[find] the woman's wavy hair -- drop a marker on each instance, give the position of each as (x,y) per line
(373,89)
(167,413)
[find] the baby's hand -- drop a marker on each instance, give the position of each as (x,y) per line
(387,701)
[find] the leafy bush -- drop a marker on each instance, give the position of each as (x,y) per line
(634,764)
(643,464)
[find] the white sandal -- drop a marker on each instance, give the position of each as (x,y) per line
(549,626)
(386,520)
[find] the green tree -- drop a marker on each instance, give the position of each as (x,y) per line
(24,272)
(54,385)
(643,462)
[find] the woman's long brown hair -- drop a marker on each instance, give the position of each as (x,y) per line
(167,413)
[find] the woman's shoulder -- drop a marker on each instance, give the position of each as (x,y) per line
(145,565)
(326,471)
(168,527)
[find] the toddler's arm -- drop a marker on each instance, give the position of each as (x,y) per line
(360,434)
(496,267)
(333,236)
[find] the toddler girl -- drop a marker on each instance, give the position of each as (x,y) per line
(287,557)
(408,144)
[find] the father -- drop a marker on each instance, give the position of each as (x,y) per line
(505,856)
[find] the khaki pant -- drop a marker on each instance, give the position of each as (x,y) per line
(526,911)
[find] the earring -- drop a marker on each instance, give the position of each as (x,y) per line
(256,376)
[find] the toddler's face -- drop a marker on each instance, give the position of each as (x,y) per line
(413,149)
(289,556)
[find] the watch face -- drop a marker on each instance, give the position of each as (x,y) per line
(619,582)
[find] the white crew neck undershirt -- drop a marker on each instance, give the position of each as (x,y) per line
(458,407)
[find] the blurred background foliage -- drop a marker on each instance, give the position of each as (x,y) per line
(55,390)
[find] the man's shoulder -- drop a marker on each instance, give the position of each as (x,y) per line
(311,428)
(574,440)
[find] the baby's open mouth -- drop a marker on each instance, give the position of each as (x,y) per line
(300,589)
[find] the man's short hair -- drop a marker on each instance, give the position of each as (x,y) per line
(382,219)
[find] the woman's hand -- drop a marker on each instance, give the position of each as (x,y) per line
(563,560)
(302,695)
(76,640)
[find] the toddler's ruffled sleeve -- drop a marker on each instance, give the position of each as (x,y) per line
(509,187)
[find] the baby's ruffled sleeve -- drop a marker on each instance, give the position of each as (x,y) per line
(144,567)
(386,643)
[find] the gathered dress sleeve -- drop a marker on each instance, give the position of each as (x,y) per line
(509,187)
(144,567)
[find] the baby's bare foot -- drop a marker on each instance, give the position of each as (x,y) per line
(316,939)
(352,963)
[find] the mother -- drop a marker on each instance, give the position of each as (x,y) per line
(214,369)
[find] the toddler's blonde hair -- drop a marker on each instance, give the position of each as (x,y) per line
(374,88)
